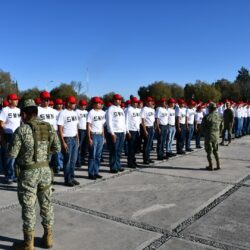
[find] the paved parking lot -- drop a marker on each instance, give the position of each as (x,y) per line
(173,204)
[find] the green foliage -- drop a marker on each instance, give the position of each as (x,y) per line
(243,83)
(29,94)
(108,97)
(63,91)
(201,91)
(7,85)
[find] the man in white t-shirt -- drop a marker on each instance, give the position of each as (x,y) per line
(181,121)
(133,121)
(95,134)
(148,119)
(161,118)
(68,133)
(82,118)
(116,133)
(197,125)
(171,127)
(190,124)
(10,120)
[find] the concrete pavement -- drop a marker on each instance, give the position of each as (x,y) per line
(173,204)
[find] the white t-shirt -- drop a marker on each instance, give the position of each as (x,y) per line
(69,120)
(12,119)
(162,115)
(238,112)
(248,112)
(48,115)
(181,113)
(190,115)
(133,119)
(115,119)
(96,119)
(148,114)
(82,117)
(171,116)
(198,117)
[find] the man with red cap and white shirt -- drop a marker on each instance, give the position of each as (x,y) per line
(115,119)
(10,120)
(148,119)
(190,124)
(68,134)
(82,118)
(133,121)
(181,121)
(95,134)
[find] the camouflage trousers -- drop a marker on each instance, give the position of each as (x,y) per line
(212,147)
(33,185)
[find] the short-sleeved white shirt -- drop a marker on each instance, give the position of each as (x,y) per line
(190,115)
(69,120)
(181,113)
(148,114)
(82,117)
(133,119)
(198,117)
(96,119)
(12,119)
(171,116)
(162,115)
(48,115)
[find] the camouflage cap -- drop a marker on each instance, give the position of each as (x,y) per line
(212,105)
(29,103)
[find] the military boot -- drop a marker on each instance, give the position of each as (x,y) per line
(47,237)
(27,244)
(217,162)
(210,164)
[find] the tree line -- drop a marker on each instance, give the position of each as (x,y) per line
(221,90)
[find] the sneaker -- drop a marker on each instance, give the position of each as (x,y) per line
(75,182)
(98,176)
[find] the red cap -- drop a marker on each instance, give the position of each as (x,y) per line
(45,95)
(149,99)
(5,103)
(59,101)
(192,103)
(51,103)
(96,99)
(83,103)
(117,97)
(71,99)
(128,102)
(12,97)
(162,100)
(171,100)
(109,104)
(123,104)
(134,99)
(37,101)
(181,101)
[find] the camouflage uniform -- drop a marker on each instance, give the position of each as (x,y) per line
(211,129)
(34,181)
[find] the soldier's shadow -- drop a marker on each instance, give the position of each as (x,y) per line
(37,242)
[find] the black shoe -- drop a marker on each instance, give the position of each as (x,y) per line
(113,171)
(151,161)
(189,150)
(131,166)
(181,152)
(146,162)
(97,176)
(135,164)
(198,146)
(92,177)
(69,184)
(209,168)
(102,159)
(75,182)
(160,158)
(121,169)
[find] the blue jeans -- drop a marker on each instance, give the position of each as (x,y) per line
(69,158)
(161,140)
(189,135)
(248,125)
(180,138)
(132,147)
(116,151)
(82,150)
(148,143)
(8,163)
(170,137)
(198,136)
(95,152)
(237,127)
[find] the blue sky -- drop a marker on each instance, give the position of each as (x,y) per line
(121,45)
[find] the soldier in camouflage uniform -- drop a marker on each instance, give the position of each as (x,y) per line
(211,129)
(32,143)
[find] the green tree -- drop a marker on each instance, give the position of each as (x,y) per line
(7,85)
(63,91)
(29,94)
(243,82)
(108,97)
